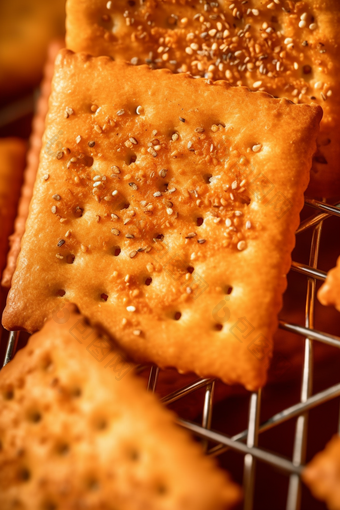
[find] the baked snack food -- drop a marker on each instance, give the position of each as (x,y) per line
(75,434)
(289,49)
(153,217)
(322,474)
(12,164)
(329,292)
(38,127)
(26,27)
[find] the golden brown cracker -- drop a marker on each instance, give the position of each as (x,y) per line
(26,27)
(289,49)
(78,430)
(38,127)
(12,163)
(329,293)
(322,475)
(169,221)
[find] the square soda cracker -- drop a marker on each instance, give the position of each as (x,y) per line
(289,49)
(168,216)
(329,292)
(322,474)
(12,164)
(79,430)
(38,127)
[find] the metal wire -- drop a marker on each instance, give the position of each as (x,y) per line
(252,453)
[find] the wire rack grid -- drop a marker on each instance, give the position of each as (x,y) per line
(246,441)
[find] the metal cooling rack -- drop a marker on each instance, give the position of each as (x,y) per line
(246,441)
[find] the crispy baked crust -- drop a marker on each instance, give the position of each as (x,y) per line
(329,293)
(26,27)
(101,250)
(322,475)
(267,46)
(38,127)
(74,432)
(12,163)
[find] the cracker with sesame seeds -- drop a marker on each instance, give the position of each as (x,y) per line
(187,270)
(74,432)
(30,173)
(289,49)
(12,164)
(329,292)
(322,474)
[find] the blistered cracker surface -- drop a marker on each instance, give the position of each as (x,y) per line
(329,293)
(289,49)
(38,127)
(78,430)
(123,241)
(12,163)
(322,475)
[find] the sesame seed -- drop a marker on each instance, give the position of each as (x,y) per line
(234,185)
(133,140)
(191,235)
(61,242)
(115,231)
(169,211)
(120,112)
(78,139)
(152,152)
(201,241)
(132,254)
(256,147)
(68,111)
(83,248)
(228,222)
(114,216)
(312,26)
(137,332)
(181,119)
(115,169)
(133,185)
(114,193)
(46,177)
(129,236)
(109,5)
(96,184)
(134,61)
(302,24)
(131,308)
(257,84)
(175,137)
(248,224)
(97,177)
(256,12)
(56,197)
(139,110)
(92,143)
(241,245)
(59,256)
(318,85)
(288,40)
(238,213)
(53,209)
(157,194)
(163,172)
(172,190)
(60,154)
